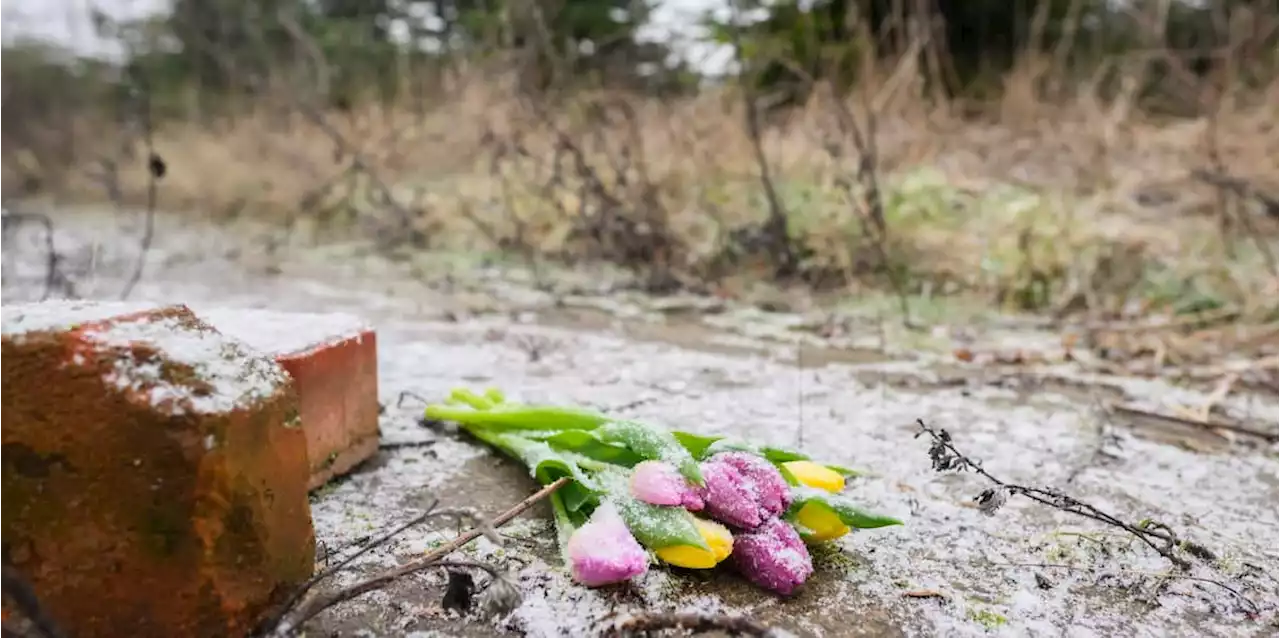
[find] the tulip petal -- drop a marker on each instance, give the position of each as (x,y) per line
(820,523)
(743,490)
(719,546)
(659,483)
(815,475)
(773,557)
(603,551)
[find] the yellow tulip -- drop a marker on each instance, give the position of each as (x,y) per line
(814,475)
(718,539)
(823,523)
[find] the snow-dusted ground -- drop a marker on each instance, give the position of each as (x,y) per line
(950,570)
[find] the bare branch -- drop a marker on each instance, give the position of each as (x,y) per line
(1157,535)
(306,609)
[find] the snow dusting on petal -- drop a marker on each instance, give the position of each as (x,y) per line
(603,551)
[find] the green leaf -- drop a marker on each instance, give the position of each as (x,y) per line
(848,513)
(465,396)
(545,463)
(566,522)
(576,497)
(787,475)
(510,416)
(779,455)
(588,444)
(656,526)
(649,442)
(773,454)
(495,396)
(842,471)
(733,445)
(697,444)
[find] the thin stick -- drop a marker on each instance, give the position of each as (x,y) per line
(331,570)
(315,604)
(945,457)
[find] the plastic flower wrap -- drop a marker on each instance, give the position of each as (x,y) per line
(639,493)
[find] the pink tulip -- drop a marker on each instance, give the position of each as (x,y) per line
(658,483)
(773,557)
(603,551)
(743,490)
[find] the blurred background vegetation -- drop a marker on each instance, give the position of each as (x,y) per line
(1064,156)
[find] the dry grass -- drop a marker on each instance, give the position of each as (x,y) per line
(1080,204)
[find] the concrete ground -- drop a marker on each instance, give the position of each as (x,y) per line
(950,569)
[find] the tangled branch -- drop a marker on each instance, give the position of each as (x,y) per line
(306,603)
(1159,536)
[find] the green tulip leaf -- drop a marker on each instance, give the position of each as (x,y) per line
(649,442)
(511,416)
(545,463)
(697,444)
(588,444)
(848,513)
(467,397)
(656,526)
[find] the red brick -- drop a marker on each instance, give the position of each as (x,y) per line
(333,359)
(154,471)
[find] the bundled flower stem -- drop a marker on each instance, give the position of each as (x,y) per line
(638,492)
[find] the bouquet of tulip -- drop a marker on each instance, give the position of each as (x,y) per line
(692,501)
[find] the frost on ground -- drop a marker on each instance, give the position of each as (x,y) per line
(1025,570)
(950,570)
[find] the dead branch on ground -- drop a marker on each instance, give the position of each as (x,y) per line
(308,603)
(1159,536)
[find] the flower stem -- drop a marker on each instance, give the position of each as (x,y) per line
(515,416)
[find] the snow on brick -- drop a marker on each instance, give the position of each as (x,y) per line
(333,359)
(226,374)
(277,332)
(155,477)
(64,314)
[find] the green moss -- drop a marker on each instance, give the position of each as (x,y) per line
(985,617)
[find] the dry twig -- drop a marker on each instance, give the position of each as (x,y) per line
(300,611)
(1155,534)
